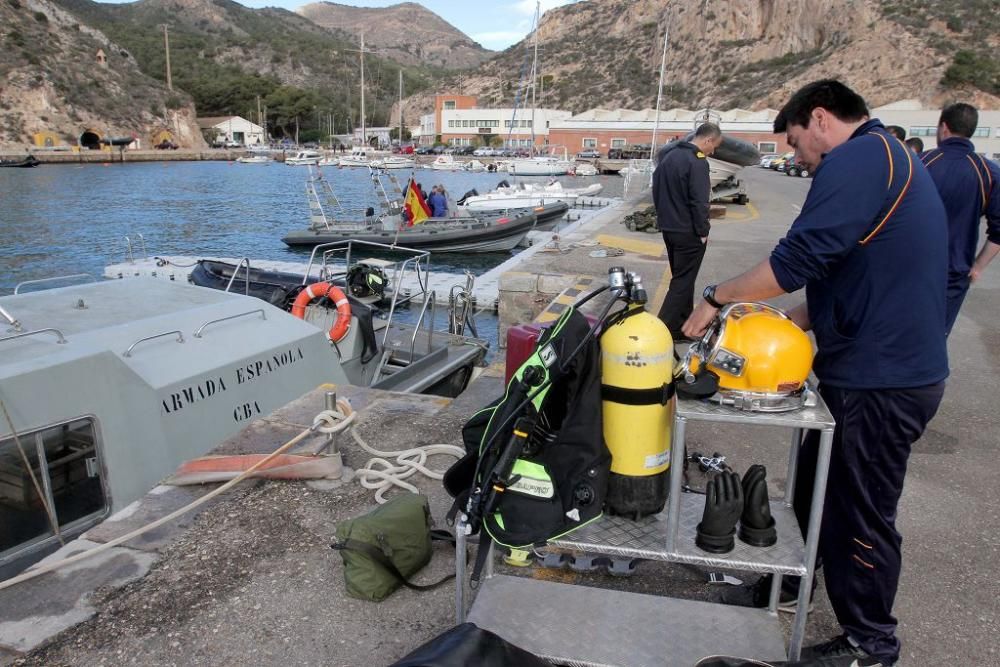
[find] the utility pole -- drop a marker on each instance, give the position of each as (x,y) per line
(166,48)
(259,121)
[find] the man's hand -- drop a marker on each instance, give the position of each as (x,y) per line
(974,273)
(700,319)
(704,240)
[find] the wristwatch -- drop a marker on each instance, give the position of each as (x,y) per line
(709,295)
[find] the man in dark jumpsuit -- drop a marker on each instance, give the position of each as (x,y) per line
(870,247)
(969,186)
(681,190)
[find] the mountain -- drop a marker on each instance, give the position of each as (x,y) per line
(226,55)
(407,33)
(51,81)
(745,53)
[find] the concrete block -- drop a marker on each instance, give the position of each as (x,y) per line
(554,283)
(518,281)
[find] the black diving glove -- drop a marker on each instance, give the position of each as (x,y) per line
(756,524)
(723,506)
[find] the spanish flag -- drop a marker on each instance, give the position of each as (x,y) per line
(414,205)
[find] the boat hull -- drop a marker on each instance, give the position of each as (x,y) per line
(451,235)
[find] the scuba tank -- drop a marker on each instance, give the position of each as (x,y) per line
(637,368)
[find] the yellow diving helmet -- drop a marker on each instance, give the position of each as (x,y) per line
(760,358)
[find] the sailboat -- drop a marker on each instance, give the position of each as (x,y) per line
(547,165)
(359,154)
(397,161)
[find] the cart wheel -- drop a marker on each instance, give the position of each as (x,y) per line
(742,199)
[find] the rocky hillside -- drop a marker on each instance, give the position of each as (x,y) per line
(226,55)
(407,33)
(51,81)
(747,53)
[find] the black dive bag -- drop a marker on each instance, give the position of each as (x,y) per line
(536,465)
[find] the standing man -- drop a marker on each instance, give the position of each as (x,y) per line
(870,247)
(969,186)
(681,190)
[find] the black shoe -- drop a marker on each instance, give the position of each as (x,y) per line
(758,594)
(840,651)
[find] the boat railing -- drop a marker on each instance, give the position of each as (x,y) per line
(180,339)
(430,302)
(128,248)
(461,302)
(244,260)
(414,262)
(263,315)
(59,334)
(17,288)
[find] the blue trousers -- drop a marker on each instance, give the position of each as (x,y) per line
(860,547)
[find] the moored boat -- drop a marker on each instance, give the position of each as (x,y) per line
(27,162)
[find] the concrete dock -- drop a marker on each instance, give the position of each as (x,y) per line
(250,578)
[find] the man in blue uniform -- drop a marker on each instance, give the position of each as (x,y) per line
(681,191)
(970,189)
(870,247)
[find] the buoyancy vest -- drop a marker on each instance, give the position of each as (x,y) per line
(537,466)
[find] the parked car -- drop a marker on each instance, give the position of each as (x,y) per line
(465,150)
(796,168)
(424,150)
(589,152)
(765,160)
(778,163)
(166,145)
(484,151)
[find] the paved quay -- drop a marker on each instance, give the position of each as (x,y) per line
(250,578)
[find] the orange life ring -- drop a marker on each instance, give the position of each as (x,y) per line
(316,290)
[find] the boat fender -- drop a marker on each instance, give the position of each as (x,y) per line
(317,290)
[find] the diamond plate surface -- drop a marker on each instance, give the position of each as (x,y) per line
(647,538)
(817,417)
(584,626)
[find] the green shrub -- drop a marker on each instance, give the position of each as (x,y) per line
(41,17)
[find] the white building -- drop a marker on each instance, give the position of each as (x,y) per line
(233,129)
(379,133)
(921,122)
(515,127)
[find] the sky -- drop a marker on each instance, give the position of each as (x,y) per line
(496,24)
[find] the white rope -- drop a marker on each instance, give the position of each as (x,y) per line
(344,413)
(382,474)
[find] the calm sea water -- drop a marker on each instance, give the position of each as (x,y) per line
(64,219)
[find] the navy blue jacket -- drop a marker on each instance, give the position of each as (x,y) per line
(969,186)
(875,290)
(681,188)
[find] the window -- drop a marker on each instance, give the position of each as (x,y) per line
(981,132)
(767,146)
(449,105)
(65,460)
(506,123)
(524,123)
(451,123)
(618,143)
(923,131)
(529,123)
(589,142)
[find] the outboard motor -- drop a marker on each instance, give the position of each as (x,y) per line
(471,193)
(370,212)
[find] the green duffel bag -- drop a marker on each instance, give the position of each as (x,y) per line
(387,546)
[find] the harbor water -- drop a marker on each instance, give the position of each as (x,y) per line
(58,220)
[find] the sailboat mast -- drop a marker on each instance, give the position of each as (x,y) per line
(400,109)
(534,72)
(364,130)
(659,92)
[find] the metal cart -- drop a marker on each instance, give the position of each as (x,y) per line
(604,627)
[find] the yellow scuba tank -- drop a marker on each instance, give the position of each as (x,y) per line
(637,389)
